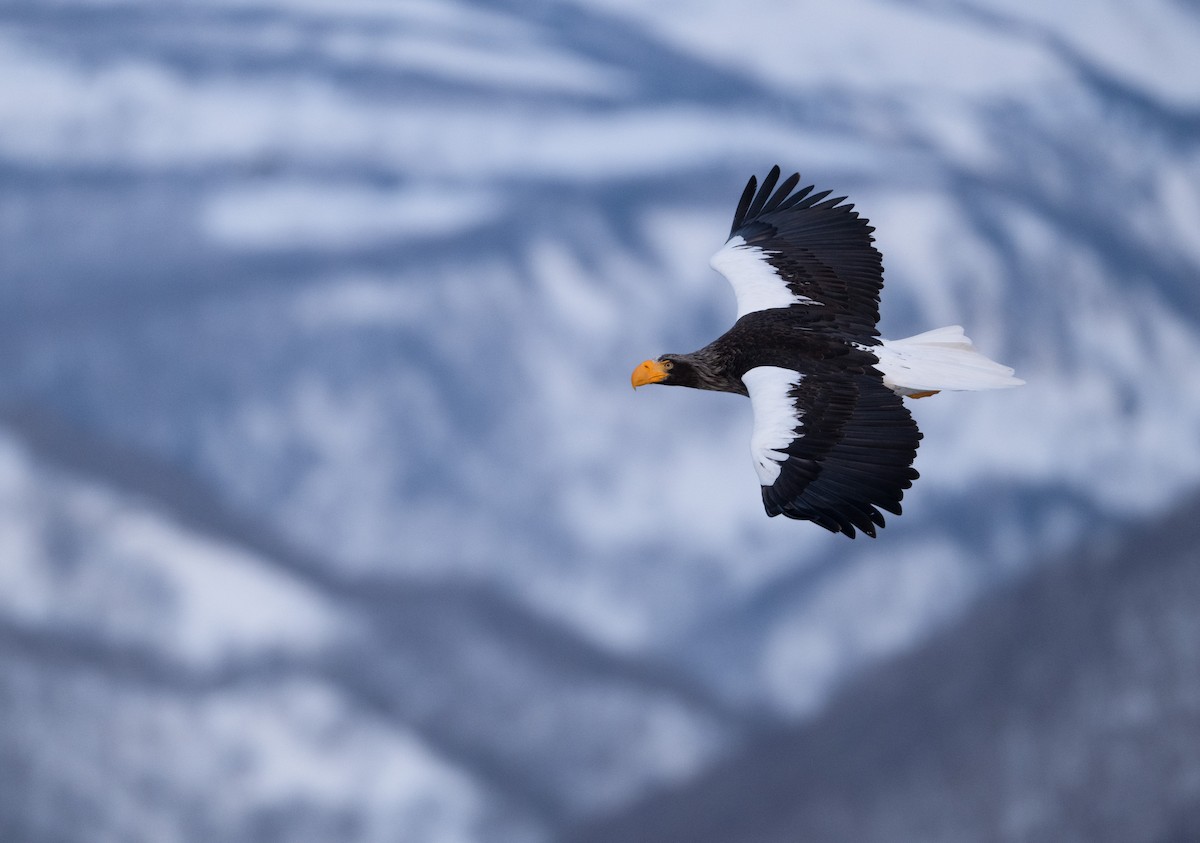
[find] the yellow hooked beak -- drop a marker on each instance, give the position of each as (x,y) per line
(648,371)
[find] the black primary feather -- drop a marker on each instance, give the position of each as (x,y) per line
(821,248)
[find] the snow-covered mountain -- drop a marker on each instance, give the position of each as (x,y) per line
(319,469)
(1063,708)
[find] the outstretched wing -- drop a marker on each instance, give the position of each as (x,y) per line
(791,247)
(830,448)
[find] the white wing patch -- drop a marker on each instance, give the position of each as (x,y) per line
(757,284)
(775,418)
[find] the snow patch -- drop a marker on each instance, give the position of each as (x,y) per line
(121,570)
(306,215)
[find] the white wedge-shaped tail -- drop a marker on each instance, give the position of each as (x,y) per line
(941,359)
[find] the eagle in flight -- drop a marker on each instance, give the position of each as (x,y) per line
(833,442)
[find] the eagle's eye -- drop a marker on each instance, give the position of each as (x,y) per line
(667,364)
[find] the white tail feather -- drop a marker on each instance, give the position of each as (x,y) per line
(941,359)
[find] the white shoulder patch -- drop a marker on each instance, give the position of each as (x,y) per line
(756,283)
(775,418)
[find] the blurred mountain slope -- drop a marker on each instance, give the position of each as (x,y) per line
(484,688)
(329,309)
(1066,708)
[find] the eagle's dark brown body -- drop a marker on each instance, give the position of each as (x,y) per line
(767,338)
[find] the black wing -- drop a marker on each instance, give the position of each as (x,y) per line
(848,453)
(819,251)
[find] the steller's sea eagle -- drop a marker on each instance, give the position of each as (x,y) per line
(833,442)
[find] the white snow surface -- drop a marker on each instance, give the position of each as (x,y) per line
(98,563)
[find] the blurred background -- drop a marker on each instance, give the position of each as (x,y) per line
(327,512)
